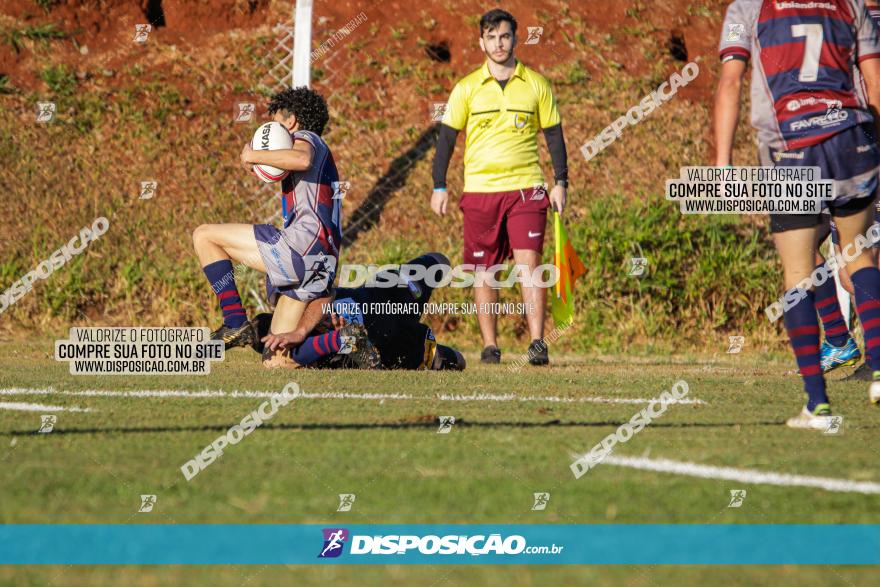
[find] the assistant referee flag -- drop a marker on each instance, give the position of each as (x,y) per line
(569,267)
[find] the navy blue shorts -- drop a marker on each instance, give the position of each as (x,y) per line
(850,158)
(289,273)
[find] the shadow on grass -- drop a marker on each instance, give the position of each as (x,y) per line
(367,214)
(432,425)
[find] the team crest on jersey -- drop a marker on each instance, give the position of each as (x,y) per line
(735,31)
(520,120)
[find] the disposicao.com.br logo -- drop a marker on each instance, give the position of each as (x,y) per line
(334,540)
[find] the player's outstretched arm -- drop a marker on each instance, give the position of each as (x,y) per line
(312,315)
(299,158)
(727,103)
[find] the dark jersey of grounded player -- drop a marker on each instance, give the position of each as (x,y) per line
(402,343)
(402,340)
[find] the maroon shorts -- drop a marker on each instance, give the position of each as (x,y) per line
(496,223)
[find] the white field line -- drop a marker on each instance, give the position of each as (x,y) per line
(748,476)
(481,397)
(23,407)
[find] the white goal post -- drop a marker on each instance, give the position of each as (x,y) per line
(302,44)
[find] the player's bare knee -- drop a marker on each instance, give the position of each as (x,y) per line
(201,235)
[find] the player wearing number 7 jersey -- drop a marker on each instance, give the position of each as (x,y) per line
(808,112)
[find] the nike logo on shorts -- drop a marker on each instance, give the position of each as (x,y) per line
(479,254)
(534,234)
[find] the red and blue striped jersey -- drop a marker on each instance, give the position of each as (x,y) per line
(804,54)
(312,211)
(860,81)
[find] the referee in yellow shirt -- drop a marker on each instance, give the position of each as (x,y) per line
(502,105)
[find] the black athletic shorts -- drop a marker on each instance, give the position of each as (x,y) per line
(783,222)
(850,158)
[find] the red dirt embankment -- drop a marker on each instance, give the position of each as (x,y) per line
(101,32)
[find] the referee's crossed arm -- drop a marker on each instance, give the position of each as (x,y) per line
(501,106)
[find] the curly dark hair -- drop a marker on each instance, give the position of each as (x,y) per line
(493,18)
(306,104)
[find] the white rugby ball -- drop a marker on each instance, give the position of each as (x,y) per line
(271,137)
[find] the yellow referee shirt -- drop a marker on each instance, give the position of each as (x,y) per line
(501,147)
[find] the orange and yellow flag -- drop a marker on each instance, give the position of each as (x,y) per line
(570,268)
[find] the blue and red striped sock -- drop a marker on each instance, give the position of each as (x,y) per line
(803,333)
(833,323)
(866,283)
(222,279)
(315,347)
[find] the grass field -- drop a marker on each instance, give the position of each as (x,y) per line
(514,435)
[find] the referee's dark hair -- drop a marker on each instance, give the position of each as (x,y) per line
(491,20)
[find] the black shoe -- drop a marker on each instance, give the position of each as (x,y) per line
(863,373)
(233,337)
(538,353)
(262,327)
(448,358)
(356,344)
(491,355)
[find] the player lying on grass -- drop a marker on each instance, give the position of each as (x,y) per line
(355,336)
(299,259)
(807,111)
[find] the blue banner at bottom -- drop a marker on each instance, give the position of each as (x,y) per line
(491,544)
